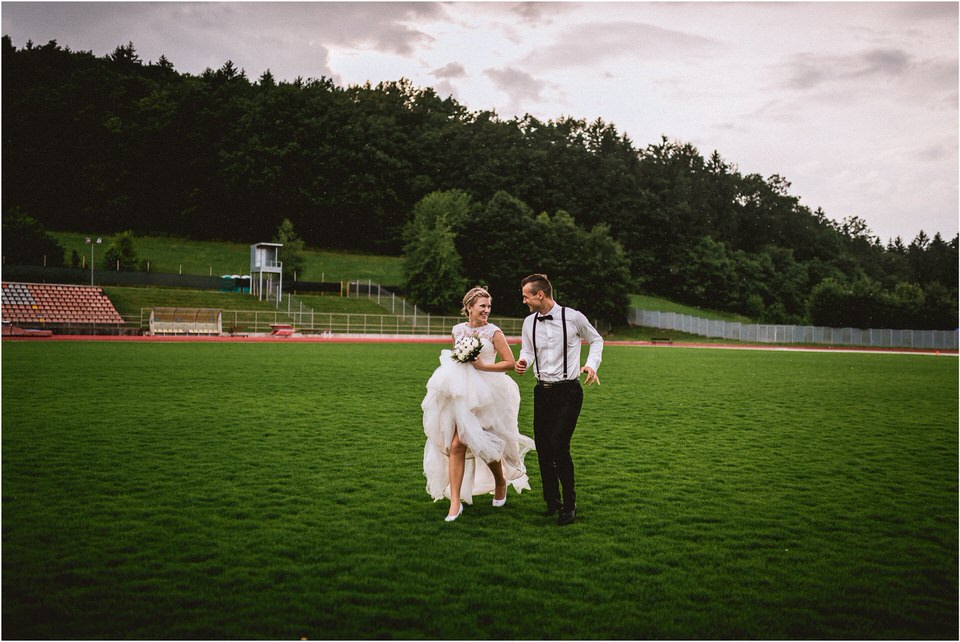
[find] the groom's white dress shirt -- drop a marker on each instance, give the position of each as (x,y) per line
(550,350)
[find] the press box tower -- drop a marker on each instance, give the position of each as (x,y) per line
(266,271)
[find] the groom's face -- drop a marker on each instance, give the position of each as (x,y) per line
(533,300)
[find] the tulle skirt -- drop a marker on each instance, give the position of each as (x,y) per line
(482,408)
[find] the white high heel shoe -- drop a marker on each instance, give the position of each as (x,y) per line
(497,503)
(451,518)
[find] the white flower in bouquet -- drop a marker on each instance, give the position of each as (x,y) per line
(467,349)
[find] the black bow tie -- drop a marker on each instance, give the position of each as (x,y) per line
(545,317)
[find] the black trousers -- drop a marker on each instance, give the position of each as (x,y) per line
(555,413)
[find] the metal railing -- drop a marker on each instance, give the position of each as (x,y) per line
(386,299)
(766,333)
(238,322)
(131,326)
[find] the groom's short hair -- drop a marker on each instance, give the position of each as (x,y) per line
(539,283)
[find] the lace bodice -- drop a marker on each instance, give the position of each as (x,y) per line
(489,353)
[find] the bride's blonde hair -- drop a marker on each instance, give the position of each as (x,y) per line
(471,297)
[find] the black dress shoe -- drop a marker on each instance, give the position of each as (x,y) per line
(566,517)
(553,510)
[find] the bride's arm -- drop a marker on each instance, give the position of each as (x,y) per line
(506,356)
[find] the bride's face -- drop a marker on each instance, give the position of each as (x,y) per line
(480,311)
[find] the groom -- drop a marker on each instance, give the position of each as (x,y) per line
(551,339)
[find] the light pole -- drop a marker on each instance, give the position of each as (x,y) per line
(91,243)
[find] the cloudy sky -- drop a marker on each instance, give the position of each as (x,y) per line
(856,104)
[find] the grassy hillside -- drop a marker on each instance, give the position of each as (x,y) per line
(171,254)
(129,301)
(647,302)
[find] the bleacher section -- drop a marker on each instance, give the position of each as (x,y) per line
(42,304)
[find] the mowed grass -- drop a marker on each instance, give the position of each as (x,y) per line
(648,302)
(173,254)
(275,491)
(130,301)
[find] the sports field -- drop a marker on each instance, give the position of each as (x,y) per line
(230,490)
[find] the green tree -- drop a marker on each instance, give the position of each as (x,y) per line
(121,252)
(708,276)
(291,254)
(933,260)
(499,247)
(432,267)
(27,242)
(588,269)
(452,208)
(828,304)
(787,285)
(432,270)
(940,308)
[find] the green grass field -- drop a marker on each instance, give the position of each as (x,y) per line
(155,491)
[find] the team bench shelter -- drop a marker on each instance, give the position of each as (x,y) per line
(186,321)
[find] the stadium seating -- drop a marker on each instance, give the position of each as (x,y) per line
(41,304)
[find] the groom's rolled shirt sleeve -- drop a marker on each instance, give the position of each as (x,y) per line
(526,341)
(588,332)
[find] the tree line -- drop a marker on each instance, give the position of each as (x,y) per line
(114,143)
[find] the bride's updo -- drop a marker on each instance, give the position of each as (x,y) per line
(471,297)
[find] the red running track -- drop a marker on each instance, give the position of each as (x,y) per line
(443,340)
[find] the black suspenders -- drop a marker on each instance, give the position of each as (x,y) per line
(563,316)
(536,356)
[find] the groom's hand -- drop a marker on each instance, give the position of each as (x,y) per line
(520,366)
(591,375)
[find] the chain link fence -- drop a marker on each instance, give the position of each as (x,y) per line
(763,333)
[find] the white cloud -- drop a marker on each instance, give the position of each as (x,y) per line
(856,103)
(518,85)
(450,70)
(595,43)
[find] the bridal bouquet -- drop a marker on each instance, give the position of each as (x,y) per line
(467,349)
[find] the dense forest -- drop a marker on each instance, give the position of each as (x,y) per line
(115,143)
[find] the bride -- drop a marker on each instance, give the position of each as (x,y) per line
(469,413)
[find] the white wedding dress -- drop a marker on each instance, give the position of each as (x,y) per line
(482,407)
